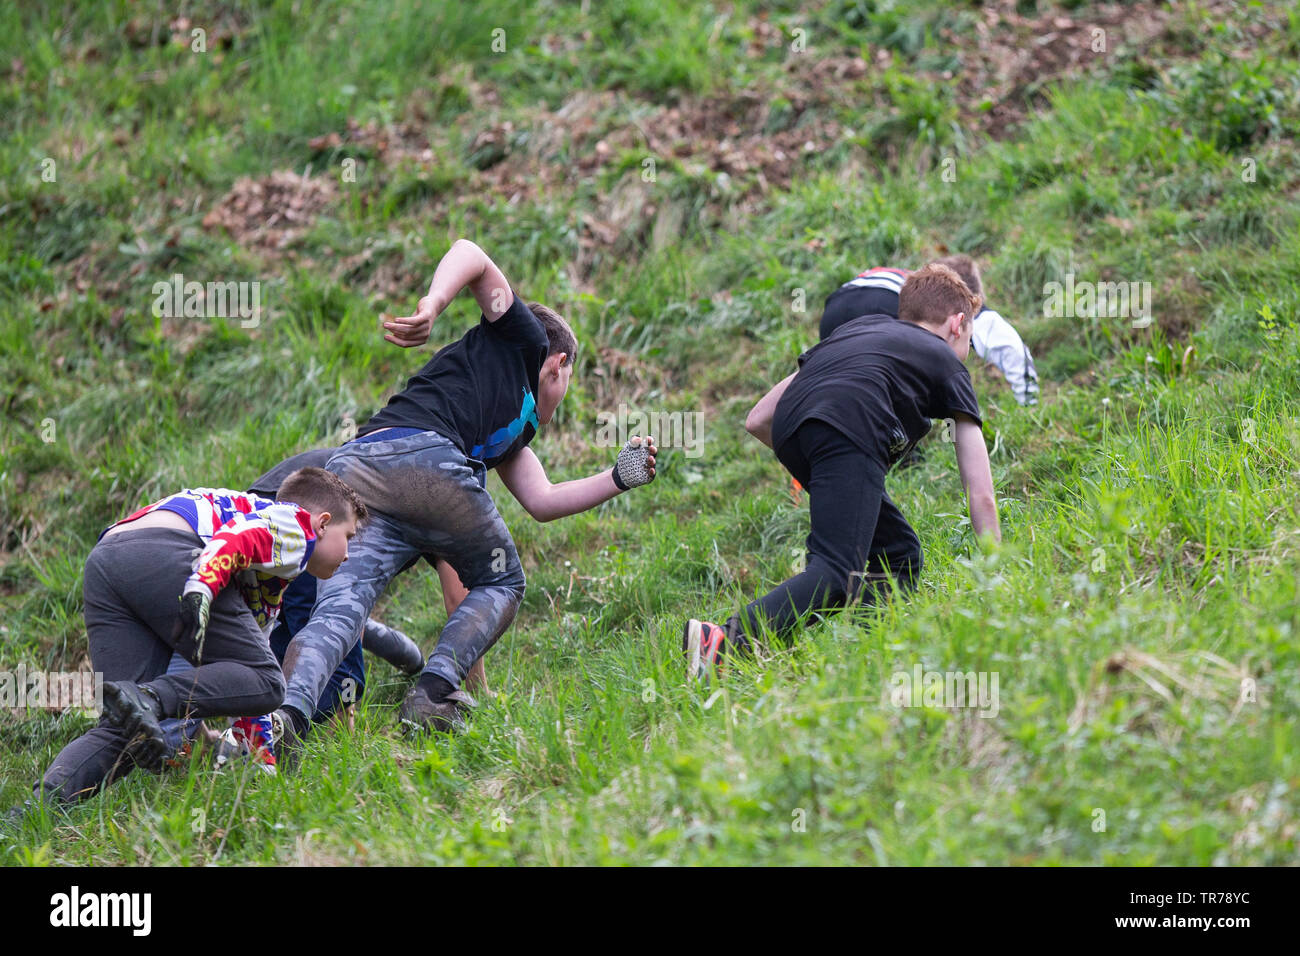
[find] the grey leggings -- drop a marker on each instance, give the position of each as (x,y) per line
(132,582)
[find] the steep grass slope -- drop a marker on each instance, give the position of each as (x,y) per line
(686,182)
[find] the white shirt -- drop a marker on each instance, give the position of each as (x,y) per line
(997,343)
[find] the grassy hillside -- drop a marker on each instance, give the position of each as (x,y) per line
(686,183)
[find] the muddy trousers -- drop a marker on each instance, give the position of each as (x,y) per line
(425,498)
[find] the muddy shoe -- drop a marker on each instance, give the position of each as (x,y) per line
(419,713)
(134,711)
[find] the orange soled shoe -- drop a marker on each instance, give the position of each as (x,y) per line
(703,644)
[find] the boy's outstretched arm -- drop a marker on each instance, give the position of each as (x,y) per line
(759,421)
(526,479)
(977,478)
(464,265)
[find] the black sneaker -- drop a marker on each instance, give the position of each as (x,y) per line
(132,711)
(393,646)
(419,713)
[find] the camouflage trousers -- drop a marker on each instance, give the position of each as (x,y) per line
(425,498)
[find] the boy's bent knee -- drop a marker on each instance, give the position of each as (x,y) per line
(502,569)
(512,596)
(270,692)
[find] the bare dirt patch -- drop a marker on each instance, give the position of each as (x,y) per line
(270,213)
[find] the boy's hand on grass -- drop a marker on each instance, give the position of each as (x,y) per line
(192,624)
(411,330)
(636,463)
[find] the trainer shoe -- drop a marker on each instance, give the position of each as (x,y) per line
(251,738)
(134,711)
(702,643)
(256,736)
(286,742)
(226,750)
(419,713)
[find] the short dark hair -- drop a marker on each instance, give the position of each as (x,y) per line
(933,293)
(319,490)
(558,334)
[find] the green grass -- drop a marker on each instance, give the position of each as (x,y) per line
(1141,615)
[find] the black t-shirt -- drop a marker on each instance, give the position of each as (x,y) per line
(880,381)
(479,391)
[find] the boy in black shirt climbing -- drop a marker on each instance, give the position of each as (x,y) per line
(421,465)
(862,398)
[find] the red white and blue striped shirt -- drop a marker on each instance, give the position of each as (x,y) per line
(879,277)
(259,543)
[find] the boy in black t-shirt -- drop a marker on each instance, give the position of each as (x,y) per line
(421,464)
(862,398)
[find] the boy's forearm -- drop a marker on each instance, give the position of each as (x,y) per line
(464,265)
(984,516)
(526,479)
(977,478)
(572,497)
